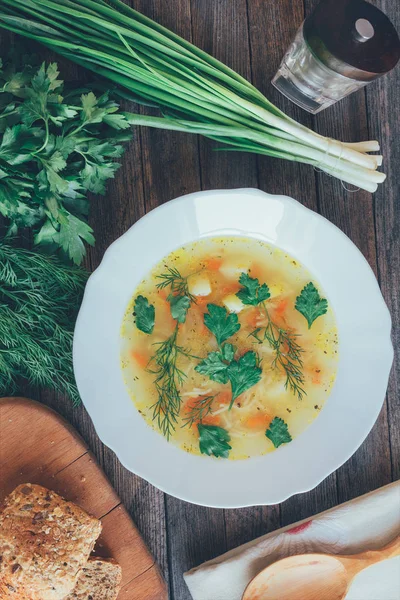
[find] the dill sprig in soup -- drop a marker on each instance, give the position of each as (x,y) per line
(229,348)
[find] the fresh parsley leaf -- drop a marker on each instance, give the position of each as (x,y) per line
(252,292)
(144,314)
(310,304)
(42,103)
(15,148)
(216,364)
(228,352)
(116,121)
(102,110)
(89,111)
(278,432)
(214,441)
(179,307)
(71,235)
(221,323)
(17,81)
(46,234)
(243,374)
(94,176)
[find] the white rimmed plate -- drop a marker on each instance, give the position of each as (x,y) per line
(365,358)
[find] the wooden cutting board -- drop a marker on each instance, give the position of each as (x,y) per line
(38,446)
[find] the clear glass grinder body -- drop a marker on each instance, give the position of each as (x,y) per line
(340,47)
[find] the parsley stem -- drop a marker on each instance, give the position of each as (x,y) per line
(76,130)
(46,139)
(6,115)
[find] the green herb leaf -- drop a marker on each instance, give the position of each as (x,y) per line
(221,323)
(252,292)
(94,176)
(144,314)
(278,432)
(214,441)
(179,307)
(310,304)
(215,365)
(221,367)
(243,374)
(73,232)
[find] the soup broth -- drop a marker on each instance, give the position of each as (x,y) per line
(229,347)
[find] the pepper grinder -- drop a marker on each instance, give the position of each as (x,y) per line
(341,47)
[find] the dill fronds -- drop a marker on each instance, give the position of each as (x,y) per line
(178,284)
(199,411)
(39,300)
(288,353)
(169,378)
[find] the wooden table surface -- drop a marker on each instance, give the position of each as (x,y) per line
(251,36)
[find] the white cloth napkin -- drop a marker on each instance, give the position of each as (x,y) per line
(368,522)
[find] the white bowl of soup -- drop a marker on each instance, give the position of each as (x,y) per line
(233,348)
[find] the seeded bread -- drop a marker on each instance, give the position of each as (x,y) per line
(45,541)
(100,579)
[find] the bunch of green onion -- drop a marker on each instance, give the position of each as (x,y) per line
(195,92)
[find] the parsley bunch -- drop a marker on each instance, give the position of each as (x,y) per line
(56,145)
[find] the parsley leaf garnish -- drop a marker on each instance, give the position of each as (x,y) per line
(214,441)
(243,374)
(179,307)
(278,432)
(216,364)
(221,323)
(144,313)
(310,304)
(252,292)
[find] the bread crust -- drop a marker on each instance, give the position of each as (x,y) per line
(100,579)
(45,541)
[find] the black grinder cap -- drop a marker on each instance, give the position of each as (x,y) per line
(352,38)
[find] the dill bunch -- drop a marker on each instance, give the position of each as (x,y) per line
(39,300)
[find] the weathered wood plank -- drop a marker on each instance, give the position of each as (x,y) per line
(384,124)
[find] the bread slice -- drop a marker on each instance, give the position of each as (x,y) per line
(100,579)
(45,541)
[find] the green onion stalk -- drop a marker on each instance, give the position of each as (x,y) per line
(194,92)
